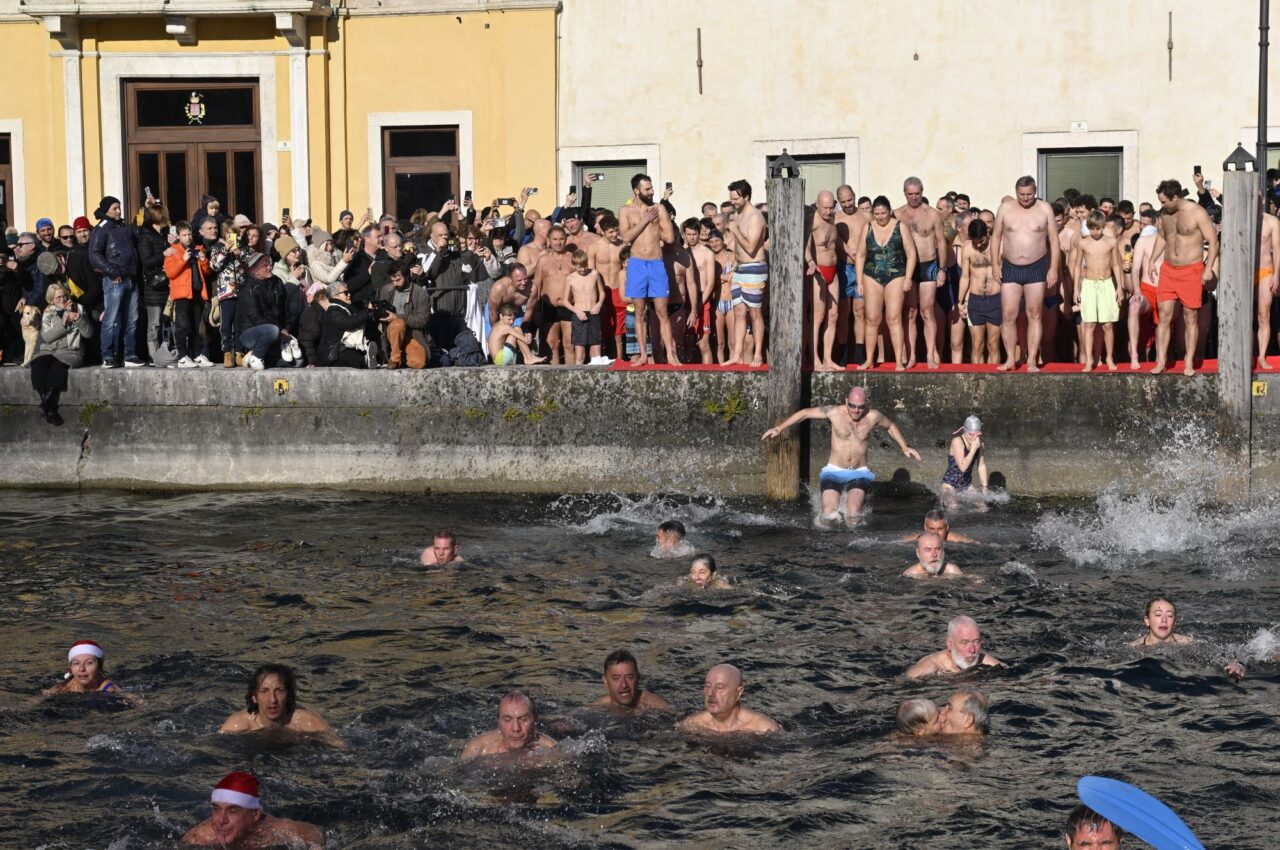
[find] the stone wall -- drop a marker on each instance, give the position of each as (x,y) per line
(578,430)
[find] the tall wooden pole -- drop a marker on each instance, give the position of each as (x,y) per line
(1241,199)
(786,332)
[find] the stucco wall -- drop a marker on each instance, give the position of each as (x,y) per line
(577,430)
(947,91)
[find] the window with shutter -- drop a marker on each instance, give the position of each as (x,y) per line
(614,189)
(1092,171)
(820,171)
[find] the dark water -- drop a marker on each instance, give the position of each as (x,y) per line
(189,593)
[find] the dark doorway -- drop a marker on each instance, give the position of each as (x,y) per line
(419,167)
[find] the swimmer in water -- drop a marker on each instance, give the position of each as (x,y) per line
(1088,830)
(917,718)
(669,540)
(271,702)
(516,733)
(1161,619)
(935,522)
(443,550)
(967,455)
(846,471)
(725,713)
(85,675)
(964,650)
(931,560)
(964,714)
(703,575)
(624,693)
(238,820)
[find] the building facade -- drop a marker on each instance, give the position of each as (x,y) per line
(313,105)
(1106,97)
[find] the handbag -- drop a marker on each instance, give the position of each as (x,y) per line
(215,313)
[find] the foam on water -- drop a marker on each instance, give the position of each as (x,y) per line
(605,513)
(1263,646)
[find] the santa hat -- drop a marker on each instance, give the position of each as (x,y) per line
(84,647)
(237,789)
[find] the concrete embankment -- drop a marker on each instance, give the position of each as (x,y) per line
(580,430)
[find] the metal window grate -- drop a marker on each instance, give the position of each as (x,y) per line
(1093,171)
(614,190)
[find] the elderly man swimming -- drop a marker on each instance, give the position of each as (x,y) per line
(963,651)
(725,713)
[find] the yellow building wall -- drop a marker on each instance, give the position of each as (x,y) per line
(33,95)
(500,66)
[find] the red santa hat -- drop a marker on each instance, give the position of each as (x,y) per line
(84,647)
(238,789)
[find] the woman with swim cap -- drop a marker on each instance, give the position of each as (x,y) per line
(84,672)
(703,575)
(967,456)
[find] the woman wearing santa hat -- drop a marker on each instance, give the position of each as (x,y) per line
(238,820)
(84,673)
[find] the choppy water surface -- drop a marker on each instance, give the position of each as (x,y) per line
(189,593)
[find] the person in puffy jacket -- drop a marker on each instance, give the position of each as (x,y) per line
(187,268)
(114,255)
(153,242)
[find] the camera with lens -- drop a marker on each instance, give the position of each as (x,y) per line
(382,308)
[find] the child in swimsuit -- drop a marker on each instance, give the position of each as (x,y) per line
(506,340)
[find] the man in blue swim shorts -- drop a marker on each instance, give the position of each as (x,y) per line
(846,470)
(1025,258)
(647,227)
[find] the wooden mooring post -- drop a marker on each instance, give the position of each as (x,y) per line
(1241,217)
(784,385)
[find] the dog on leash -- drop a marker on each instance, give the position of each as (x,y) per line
(30,332)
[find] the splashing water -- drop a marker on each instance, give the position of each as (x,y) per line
(602,514)
(1263,646)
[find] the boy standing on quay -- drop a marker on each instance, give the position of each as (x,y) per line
(1098,267)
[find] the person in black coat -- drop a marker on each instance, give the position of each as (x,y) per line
(339,329)
(260,314)
(153,241)
(309,326)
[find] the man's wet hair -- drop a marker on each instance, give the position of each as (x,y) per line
(1169,189)
(446,534)
(977,229)
(1124,207)
(935,515)
(620,656)
(742,187)
(975,705)
(521,696)
(638,179)
(1082,815)
(287,676)
(673,526)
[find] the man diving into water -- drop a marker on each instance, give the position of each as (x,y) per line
(846,470)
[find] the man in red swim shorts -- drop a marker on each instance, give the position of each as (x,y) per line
(820,267)
(1188,246)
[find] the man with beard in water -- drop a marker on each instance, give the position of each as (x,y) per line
(239,822)
(516,733)
(271,702)
(725,714)
(625,693)
(846,469)
(964,650)
(931,560)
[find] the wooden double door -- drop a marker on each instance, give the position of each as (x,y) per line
(188,138)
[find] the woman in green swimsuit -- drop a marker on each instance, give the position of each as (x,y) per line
(885,265)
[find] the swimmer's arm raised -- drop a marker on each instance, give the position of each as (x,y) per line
(889,425)
(798,416)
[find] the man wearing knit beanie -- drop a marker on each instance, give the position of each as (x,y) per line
(114,253)
(238,820)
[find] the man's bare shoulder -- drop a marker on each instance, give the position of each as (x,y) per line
(241,721)
(200,835)
(483,744)
(650,700)
(701,720)
(275,831)
(757,723)
(926,666)
(306,720)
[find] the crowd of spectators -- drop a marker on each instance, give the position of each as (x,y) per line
(223,291)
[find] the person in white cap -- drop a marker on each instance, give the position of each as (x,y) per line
(239,822)
(84,673)
(967,456)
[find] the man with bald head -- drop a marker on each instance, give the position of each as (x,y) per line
(964,650)
(846,470)
(536,246)
(851,228)
(725,713)
(517,730)
(931,559)
(820,269)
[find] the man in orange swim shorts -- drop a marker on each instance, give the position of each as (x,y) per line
(1188,246)
(1268,282)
